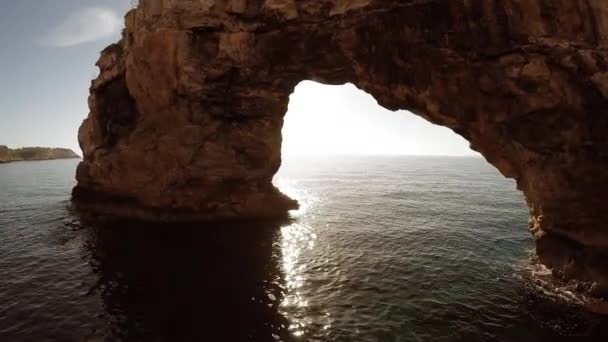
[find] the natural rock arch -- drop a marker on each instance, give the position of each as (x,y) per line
(186,113)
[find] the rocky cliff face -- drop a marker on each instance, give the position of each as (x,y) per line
(186,113)
(5,154)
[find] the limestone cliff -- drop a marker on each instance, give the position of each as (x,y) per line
(186,114)
(8,155)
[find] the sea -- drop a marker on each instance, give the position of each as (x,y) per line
(383,248)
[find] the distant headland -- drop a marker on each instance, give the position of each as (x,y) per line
(8,155)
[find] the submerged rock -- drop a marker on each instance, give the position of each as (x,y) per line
(186,114)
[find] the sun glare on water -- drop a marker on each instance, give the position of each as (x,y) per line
(295,240)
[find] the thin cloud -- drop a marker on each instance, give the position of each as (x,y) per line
(83,26)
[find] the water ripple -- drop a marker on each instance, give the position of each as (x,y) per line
(398,249)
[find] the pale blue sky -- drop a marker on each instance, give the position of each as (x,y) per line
(47,60)
(49,48)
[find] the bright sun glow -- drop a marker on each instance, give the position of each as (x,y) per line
(327,120)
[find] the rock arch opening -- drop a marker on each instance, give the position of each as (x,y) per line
(344,120)
(206,86)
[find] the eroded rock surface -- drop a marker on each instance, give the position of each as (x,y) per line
(186,113)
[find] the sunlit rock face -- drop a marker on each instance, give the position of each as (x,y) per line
(186,115)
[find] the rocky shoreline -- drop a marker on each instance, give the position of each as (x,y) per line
(8,155)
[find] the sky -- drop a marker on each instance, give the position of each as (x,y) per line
(329,120)
(48,50)
(47,60)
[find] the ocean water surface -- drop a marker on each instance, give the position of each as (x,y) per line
(383,249)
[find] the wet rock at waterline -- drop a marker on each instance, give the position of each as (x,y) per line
(186,114)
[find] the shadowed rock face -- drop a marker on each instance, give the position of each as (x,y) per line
(187,111)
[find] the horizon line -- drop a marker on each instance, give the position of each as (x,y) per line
(478,155)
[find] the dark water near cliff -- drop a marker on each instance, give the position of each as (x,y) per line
(384,249)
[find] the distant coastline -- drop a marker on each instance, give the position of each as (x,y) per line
(8,155)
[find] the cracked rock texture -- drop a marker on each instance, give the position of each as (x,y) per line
(186,114)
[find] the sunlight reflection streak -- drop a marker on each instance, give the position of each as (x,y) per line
(296,239)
